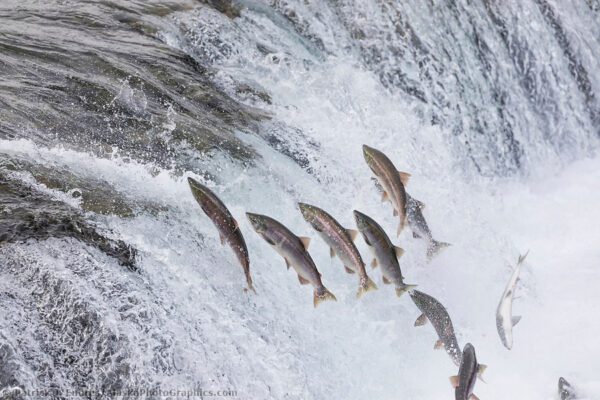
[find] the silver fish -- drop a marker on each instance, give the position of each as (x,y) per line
(419,226)
(504,318)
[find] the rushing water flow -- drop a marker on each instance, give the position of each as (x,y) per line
(112,278)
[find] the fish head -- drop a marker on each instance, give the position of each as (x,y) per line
(258,222)
(371,156)
(198,189)
(362,221)
(419,298)
(308,211)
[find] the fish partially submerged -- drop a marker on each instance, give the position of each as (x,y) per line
(340,242)
(504,318)
(293,249)
(433,311)
(391,180)
(228,228)
(385,253)
(464,382)
(565,390)
(419,226)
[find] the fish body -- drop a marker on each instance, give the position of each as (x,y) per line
(227,226)
(419,226)
(293,250)
(435,312)
(565,390)
(464,382)
(386,254)
(504,318)
(340,242)
(390,179)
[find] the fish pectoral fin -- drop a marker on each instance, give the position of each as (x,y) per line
(287,263)
(421,204)
(222,238)
(384,196)
(473,397)
(421,320)
(416,235)
(305,241)
(235,224)
(399,251)
(348,270)
(404,176)
(515,319)
(302,280)
(352,233)
(480,369)
(331,252)
(454,381)
(395,212)
(374,263)
(386,280)
(438,344)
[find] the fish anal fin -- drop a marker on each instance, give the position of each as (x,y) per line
(399,251)
(454,381)
(473,397)
(302,280)
(421,320)
(374,263)
(438,344)
(386,280)
(287,263)
(331,252)
(305,241)
(516,319)
(352,233)
(421,204)
(404,176)
(384,196)
(222,238)
(348,270)
(235,224)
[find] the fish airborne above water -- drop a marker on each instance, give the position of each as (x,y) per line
(391,180)
(504,318)
(227,226)
(293,250)
(419,226)
(340,242)
(464,382)
(386,254)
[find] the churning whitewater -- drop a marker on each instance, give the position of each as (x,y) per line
(138,137)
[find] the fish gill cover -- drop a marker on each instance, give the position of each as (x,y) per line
(114,282)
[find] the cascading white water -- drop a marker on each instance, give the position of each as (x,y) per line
(477,101)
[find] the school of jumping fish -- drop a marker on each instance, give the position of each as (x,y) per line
(294,249)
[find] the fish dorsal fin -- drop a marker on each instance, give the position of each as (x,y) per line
(305,241)
(399,251)
(516,319)
(348,270)
(287,263)
(384,196)
(454,381)
(438,344)
(302,280)
(421,320)
(404,176)
(395,212)
(352,233)
(222,239)
(386,280)
(331,252)
(235,224)
(374,263)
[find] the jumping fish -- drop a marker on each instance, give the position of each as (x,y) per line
(391,180)
(386,254)
(419,226)
(504,318)
(227,226)
(340,242)
(565,390)
(293,250)
(464,382)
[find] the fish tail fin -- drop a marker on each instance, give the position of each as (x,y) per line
(252,288)
(435,247)
(480,369)
(326,295)
(365,285)
(522,257)
(405,288)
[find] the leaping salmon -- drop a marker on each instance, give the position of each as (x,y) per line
(504,318)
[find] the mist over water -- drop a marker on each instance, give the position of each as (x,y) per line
(112,278)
